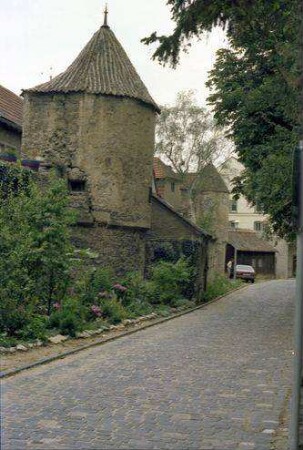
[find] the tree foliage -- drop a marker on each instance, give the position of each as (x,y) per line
(186,135)
(35,244)
(255,86)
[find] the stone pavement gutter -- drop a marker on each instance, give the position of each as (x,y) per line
(112,336)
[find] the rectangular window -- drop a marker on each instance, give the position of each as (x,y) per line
(172,186)
(76,185)
(233,207)
(258,226)
(233,224)
(260,263)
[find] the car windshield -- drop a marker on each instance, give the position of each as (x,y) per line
(245,268)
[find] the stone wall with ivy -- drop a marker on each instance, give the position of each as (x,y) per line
(172,237)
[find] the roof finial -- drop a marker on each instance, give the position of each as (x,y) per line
(105,24)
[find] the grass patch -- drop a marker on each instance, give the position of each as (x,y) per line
(221,286)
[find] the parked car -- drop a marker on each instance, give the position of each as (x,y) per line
(245,272)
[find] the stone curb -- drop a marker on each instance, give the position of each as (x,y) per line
(47,360)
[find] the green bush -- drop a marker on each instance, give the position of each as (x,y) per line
(35,329)
(220,286)
(138,308)
(92,283)
(113,310)
(169,280)
(70,318)
(7,341)
(13,318)
(136,289)
(70,323)
(35,260)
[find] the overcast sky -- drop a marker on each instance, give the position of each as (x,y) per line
(36,35)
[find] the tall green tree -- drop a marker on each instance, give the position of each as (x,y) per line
(255,86)
(35,248)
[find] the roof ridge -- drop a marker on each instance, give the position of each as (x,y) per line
(102,67)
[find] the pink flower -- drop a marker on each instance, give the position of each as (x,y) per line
(96,310)
(57,306)
(119,287)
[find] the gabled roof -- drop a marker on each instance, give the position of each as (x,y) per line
(186,221)
(248,240)
(208,180)
(102,67)
(11,106)
(162,170)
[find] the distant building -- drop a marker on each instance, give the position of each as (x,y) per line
(203,198)
(247,247)
(243,216)
(11,107)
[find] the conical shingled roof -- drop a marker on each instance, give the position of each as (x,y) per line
(208,180)
(102,67)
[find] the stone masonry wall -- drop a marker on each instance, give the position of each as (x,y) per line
(122,249)
(169,228)
(212,208)
(109,139)
(10,138)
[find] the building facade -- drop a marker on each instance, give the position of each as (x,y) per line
(243,216)
(202,198)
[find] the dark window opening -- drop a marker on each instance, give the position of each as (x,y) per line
(233,205)
(76,185)
(172,186)
(258,226)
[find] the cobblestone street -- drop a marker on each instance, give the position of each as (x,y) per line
(218,378)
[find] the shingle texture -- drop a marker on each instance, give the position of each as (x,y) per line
(209,180)
(102,67)
(247,240)
(11,106)
(162,170)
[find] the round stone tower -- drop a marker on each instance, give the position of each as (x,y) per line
(211,205)
(98,118)
(96,121)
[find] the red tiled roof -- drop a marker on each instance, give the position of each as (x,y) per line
(11,106)
(162,170)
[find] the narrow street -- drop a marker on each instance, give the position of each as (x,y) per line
(218,378)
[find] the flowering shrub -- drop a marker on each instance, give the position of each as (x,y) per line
(118,287)
(57,306)
(96,310)
(94,284)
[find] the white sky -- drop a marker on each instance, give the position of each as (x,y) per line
(36,35)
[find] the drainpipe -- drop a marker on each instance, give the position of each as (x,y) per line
(294,432)
(296,397)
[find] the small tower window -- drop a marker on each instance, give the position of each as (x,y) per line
(77,185)
(233,205)
(172,186)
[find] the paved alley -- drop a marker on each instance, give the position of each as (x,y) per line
(218,378)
